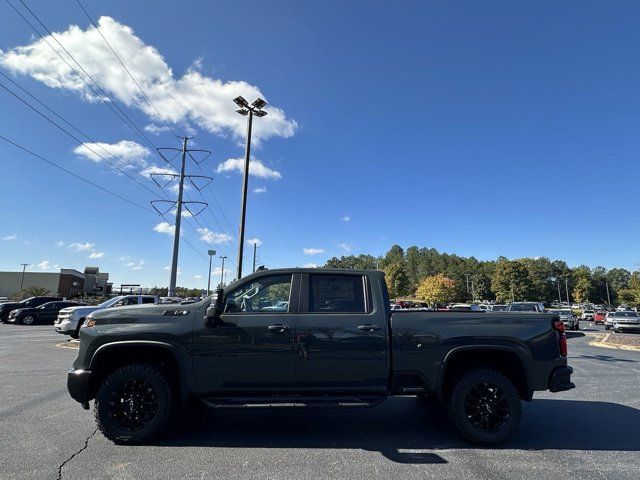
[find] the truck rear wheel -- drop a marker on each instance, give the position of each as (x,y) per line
(484,406)
(134,404)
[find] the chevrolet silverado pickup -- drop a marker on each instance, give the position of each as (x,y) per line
(336,344)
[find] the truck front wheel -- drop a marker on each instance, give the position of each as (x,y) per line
(134,404)
(484,406)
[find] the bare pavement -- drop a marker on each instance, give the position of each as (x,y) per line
(591,432)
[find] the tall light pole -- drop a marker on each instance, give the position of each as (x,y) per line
(211,254)
(566,286)
(560,296)
(256,108)
(222,272)
(255,247)
(24,267)
(606,283)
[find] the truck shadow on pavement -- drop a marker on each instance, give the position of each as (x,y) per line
(406,430)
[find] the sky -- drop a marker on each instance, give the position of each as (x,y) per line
(477,128)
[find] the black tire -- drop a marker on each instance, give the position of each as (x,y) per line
(76,334)
(134,404)
(484,406)
(606,327)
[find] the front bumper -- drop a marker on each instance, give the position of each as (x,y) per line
(66,326)
(78,386)
(560,379)
(627,326)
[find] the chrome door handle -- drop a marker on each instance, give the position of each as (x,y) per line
(279,328)
(368,327)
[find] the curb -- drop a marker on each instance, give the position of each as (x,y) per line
(601,342)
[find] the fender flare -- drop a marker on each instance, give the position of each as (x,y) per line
(483,347)
(110,346)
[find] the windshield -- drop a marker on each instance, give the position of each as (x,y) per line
(108,303)
(627,314)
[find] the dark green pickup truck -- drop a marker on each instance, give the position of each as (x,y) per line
(312,338)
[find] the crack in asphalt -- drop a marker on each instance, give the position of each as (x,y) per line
(86,444)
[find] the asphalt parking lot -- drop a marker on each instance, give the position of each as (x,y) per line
(589,432)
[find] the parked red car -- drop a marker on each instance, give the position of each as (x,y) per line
(599,317)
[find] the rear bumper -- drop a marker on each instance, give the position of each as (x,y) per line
(560,379)
(78,385)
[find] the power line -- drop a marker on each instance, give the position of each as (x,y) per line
(25,149)
(77,139)
(93,184)
(102,93)
(126,69)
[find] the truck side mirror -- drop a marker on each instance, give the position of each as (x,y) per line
(214,310)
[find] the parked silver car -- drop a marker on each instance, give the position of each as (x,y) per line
(626,321)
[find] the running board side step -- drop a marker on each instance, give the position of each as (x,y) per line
(292,402)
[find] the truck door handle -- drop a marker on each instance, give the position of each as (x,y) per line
(279,328)
(368,327)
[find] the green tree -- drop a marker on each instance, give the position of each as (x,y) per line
(582,290)
(30,292)
(436,289)
(397,280)
(511,280)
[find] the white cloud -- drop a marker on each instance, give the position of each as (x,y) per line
(256,168)
(210,236)
(197,277)
(191,98)
(346,218)
(310,265)
(46,265)
(164,227)
(156,129)
(168,267)
(254,241)
(312,251)
(135,265)
(96,255)
(130,264)
(60,244)
(10,237)
(345,246)
(260,190)
(127,153)
(81,247)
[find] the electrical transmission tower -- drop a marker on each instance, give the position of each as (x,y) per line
(197,181)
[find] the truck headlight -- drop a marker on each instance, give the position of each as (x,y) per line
(89,322)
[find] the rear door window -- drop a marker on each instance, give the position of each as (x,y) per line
(337,294)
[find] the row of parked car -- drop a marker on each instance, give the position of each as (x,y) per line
(68,316)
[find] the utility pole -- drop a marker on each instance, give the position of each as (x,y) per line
(204,181)
(176,232)
(255,247)
(513,297)
(606,283)
(560,296)
(245,109)
(211,254)
(566,286)
(24,267)
(222,273)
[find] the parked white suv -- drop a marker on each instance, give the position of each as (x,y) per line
(71,319)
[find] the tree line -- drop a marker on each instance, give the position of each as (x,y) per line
(425,273)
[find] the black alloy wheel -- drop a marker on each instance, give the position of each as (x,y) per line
(484,406)
(134,403)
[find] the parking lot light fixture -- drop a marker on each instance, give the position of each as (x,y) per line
(256,108)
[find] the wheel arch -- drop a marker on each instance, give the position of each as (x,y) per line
(113,355)
(504,359)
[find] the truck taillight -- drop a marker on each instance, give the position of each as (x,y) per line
(558,326)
